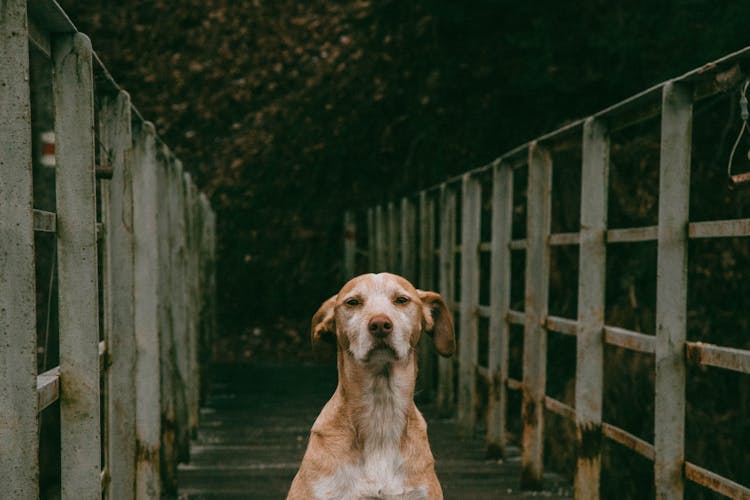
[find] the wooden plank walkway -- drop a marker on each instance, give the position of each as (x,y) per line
(254,428)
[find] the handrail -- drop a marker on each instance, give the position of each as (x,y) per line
(671,100)
(134,261)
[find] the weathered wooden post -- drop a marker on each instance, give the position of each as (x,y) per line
(204,340)
(408,240)
(77,267)
(212,292)
(196,293)
(116,139)
(446,390)
(180,325)
(371,258)
(380,238)
(350,245)
(502,223)
(535,335)
(146,312)
(592,271)
(426,282)
(192,374)
(168,456)
(671,290)
(392,239)
(19,423)
(468,340)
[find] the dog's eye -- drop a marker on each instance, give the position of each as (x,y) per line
(353,302)
(402,300)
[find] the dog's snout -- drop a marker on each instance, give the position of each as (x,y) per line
(380,326)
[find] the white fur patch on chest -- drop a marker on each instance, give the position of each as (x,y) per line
(379,473)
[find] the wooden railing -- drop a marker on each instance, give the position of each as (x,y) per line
(394,241)
(134,253)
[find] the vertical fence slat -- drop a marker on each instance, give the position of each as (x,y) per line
(77,268)
(168,456)
(105,306)
(350,245)
(671,290)
(372,261)
(116,139)
(212,259)
(471,209)
(408,240)
(445,394)
(535,336)
(180,325)
(426,282)
(591,294)
(205,300)
(502,220)
(380,238)
(392,239)
(195,373)
(191,307)
(146,300)
(19,424)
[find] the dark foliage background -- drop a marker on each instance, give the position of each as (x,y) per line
(290,112)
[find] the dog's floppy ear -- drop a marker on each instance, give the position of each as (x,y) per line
(323,325)
(438,322)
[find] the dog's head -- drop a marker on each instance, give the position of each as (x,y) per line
(378,318)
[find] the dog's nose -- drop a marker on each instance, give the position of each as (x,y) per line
(380,326)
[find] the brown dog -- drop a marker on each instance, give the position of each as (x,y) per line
(370,441)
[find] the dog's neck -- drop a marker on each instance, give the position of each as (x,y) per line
(377,400)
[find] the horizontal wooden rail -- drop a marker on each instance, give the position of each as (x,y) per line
(715,482)
(516,317)
(48,383)
(628,440)
(44,222)
(514,384)
(632,234)
(719,229)
(561,325)
(484,311)
(48,388)
(721,357)
(629,339)
(563,239)
(560,408)
(518,244)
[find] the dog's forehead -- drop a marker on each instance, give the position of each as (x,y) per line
(382,283)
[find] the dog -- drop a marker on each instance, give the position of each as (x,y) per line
(370,440)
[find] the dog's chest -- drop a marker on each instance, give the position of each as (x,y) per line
(380,476)
(380,472)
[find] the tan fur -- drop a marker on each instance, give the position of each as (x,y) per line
(371,428)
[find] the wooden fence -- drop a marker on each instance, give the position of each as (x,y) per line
(417,237)
(134,243)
